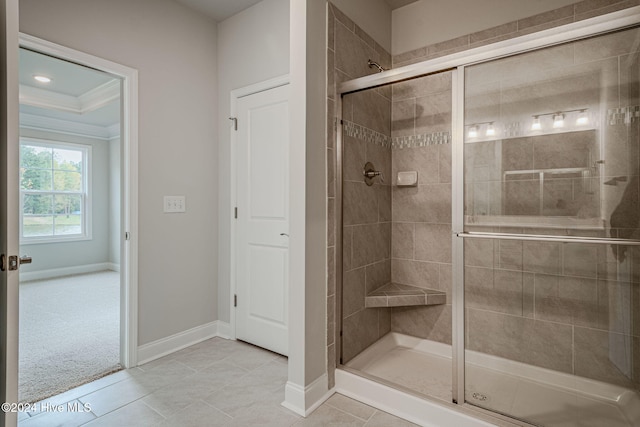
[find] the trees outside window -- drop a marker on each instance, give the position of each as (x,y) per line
(53,187)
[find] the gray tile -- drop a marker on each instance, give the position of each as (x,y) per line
(479,252)
(570,300)
(329,416)
(265,415)
(250,357)
(355,338)
(195,414)
(371,243)
(429,322)
(424,160)
(353,291)
(377,275)
(402,235)
(604,356)
(65,418)
(355,152)
(331,271)
(541,18)
(115,396)
(350,406)
(541,257)
(433,113)
(615,44)
(433,242)
(382,419)
(234,399)
(425,203)
(360,203)
(536,342)
(416,273)
(134,414)
(352,53)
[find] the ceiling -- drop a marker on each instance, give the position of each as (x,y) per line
(78,98)
(397,4)
(219,10)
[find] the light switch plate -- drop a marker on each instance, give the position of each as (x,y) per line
(173,204)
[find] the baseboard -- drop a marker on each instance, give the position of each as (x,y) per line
(304,400)
(224,330)
(65,271)
(159,348)
(114,267)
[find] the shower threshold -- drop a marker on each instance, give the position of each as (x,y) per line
(537,395)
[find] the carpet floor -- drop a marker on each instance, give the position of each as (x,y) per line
(69,333)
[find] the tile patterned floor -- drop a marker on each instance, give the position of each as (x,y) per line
(214,383)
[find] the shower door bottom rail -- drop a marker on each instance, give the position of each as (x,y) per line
(540,238)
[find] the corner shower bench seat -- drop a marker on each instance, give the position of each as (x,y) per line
(397,295)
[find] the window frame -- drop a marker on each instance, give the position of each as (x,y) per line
(86,216)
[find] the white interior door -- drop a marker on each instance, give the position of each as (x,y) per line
(8,208)
(262,241)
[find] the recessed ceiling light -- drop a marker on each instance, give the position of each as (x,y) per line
(42,79)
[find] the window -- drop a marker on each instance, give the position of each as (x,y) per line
(53,190)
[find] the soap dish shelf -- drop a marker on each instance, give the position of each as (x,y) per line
(398,295)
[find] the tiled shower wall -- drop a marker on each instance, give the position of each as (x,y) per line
(570,307)
(367,236)
(348,50)
(421,227)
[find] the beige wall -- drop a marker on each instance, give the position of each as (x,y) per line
(253,46)
(174,51)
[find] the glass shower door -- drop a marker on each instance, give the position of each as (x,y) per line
(551,233)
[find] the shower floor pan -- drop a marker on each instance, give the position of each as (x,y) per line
(540,396)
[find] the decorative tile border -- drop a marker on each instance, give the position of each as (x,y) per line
(422,140)
(370,136)
(623,115)
(365,134)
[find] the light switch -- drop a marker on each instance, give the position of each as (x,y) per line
(173,204)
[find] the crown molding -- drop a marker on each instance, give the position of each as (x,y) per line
(48,124)
(89,101)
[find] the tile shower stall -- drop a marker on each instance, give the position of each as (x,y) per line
(547,265)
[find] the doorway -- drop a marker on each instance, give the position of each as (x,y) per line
(77,213)
(261,229)
(69,225)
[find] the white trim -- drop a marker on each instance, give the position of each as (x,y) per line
(164,346)
(93,99)
(66,127)
(303,401)
(412,408)
(66,271)
(113,266)
(224,330)
(129,193)
(234,96)
(99,96)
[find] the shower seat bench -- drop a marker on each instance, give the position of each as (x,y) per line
(398,295)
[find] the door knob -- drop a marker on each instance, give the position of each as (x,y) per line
(284,234)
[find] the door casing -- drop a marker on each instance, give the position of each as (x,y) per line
(128,186)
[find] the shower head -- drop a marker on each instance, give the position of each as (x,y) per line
(373,64)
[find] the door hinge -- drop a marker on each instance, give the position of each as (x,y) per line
(235,213)
(235,122)
(235,300)
(126,235)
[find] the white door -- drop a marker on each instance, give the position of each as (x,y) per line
(262,227)
(9,209)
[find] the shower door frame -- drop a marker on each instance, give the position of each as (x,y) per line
(456,63)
